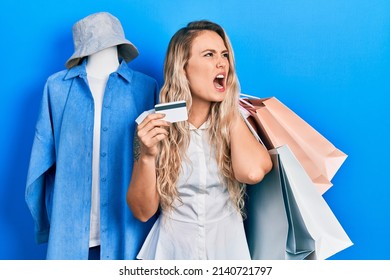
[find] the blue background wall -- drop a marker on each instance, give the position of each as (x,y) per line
(328,60)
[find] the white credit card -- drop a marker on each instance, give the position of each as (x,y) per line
(143,116)
(174,112)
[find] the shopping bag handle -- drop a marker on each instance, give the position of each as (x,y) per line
(247,106)
(249,96)
(251,110)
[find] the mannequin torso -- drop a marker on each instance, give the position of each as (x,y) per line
(99,67)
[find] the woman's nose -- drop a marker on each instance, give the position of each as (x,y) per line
(222,62)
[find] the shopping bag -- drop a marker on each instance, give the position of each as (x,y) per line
(287,218)
(274,226)
(278,125)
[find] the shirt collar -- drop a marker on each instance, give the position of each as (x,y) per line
(80,70)
(204,126)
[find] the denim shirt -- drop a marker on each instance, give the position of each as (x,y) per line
(58,189)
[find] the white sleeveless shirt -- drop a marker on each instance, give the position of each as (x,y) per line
(204,224)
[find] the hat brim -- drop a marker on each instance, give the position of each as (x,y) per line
(126,50)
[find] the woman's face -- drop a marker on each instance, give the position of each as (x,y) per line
(208,68)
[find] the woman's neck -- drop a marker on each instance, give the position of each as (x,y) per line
(199,113)
(103,63)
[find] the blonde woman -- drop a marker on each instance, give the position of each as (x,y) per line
(195,171)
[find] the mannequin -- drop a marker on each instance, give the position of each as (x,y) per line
(99,66)
(103,63)
(82,154)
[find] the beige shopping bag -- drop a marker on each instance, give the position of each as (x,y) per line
(278,125)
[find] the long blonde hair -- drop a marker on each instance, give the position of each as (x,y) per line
(176,87)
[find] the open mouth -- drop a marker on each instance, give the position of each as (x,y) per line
(219,82)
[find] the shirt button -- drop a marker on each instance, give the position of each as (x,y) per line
(103,179)
(103,154)
(105,128)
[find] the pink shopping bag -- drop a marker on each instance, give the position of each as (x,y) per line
(278,125)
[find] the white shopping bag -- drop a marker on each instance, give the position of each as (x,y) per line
(328,234)
(287,218)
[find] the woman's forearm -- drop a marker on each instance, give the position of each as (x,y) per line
(142,195)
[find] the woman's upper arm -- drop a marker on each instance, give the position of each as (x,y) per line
(250,159)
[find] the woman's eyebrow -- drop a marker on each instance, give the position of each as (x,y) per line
(209,50)
(214,51)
